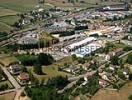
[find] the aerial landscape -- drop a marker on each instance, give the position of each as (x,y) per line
(65,49)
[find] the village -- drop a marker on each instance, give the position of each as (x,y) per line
(86,49)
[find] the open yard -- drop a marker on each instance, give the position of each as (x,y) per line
(8,96)
(6,60)
(123,93)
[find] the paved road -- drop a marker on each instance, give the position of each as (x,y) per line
(18,93)
(7,91)
(81,76)
(68,86)
(125,54)
(11,78)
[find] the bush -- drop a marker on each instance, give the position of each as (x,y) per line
(3,87)
(115,60)
(127,48)
(129,59)
(38,69)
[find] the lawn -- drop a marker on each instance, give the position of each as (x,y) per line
(7,60)
(123,93)
(8,96)
(7,82)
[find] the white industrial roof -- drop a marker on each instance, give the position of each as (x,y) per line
(77,44)
(88,49)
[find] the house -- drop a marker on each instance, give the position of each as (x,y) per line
(103,83)
(15,69)
(23,78)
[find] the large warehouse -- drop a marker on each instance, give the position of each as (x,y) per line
(74,46)
(87,50)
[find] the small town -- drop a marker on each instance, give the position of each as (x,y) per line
(66,50)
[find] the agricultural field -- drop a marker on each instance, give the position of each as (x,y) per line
(4,27)
(10,8)
(122,94)
(87,3)
(9,20)
(6,12)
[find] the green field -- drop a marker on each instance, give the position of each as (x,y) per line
(6,60)
(10,8)
(10,19)
(52,70)
(4,27)
(6,12)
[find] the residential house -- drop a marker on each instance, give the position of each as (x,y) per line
(15,69)
(23,78)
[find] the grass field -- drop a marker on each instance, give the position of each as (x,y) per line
(123,93)
(6,12)
(7,59)
(13,7)
(52,70)
(10,19)
(8,96)
(4,27)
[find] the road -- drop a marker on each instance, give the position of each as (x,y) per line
(125,54)
(18,93)
(75,79)
(81,76)
(11,78)
(67,87)
(7,91)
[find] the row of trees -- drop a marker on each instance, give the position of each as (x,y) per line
(30,60)
(48,92)
(36,61)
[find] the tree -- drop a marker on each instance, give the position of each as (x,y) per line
(120,74)
(81,60)
(129,59)
(121,63)
(24,69)
(45,59)
(38,69)
(127,48)
(115,60)
(74,57)
(107,65)
(130,77)
(58,82)
(130,97)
